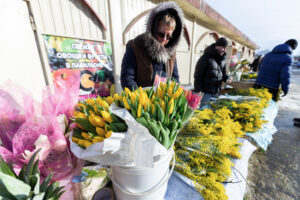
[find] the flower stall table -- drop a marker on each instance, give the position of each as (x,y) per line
(181,187)
(241,84)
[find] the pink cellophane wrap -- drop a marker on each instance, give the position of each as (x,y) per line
(27,125)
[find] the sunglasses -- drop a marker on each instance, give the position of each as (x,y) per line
(163,35)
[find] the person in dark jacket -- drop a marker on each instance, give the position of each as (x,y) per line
(210,71)
(274,69)
(154,52)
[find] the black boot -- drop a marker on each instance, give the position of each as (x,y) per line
(296,119)
(297,123)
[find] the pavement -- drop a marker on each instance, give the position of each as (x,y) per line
(274,174)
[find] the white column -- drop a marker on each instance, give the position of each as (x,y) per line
(115,18)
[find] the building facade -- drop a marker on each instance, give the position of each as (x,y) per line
(106,21)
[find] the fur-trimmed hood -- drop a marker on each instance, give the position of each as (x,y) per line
(153,48)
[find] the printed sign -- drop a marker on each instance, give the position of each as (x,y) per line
(92,58)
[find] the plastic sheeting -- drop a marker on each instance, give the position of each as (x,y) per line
(264,136)
(181,187)
(236,189)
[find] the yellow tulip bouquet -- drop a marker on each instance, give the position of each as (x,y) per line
(95,121)
(163,112)
(111,130)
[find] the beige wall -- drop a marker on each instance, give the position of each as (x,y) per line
(123,19)
(20,60)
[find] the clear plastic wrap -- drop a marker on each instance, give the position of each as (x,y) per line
(27,126)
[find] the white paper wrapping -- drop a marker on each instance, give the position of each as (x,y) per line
(136,147)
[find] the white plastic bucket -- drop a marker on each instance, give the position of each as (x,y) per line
(132,183)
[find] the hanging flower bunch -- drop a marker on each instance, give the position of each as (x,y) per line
(95,122)
(163,112)
(204,148)
(238,66)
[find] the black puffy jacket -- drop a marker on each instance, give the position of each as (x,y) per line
(210,71)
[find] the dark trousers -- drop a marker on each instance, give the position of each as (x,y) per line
(273,91)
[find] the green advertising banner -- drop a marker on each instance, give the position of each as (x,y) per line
(92,58)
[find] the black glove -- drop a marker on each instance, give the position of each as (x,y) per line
(284,93)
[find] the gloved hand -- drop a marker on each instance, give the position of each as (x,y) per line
(284,93)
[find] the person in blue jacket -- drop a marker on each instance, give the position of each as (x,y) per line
(153,53)
(274,69)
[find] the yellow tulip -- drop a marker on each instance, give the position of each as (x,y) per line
(100,131)
(127,92)
(139,111)
(170,91)
(159,92)
(99,122)
(162,86)
(103,104)
(171,106)
(106,116)
(86,136)
(90,101)
(81,142)
(81,105)
(110,100)
(142,98)
(74,139)
(163,106)
(116,96)
(91,112)
(178,92)
(153,109)
(79,115)
(133,98)
(126,103)
(141,90)
(153,98)
(96,109)
(108,134)
(145,105)
(98,139)
(98,99)
(91,120)
(172,85)
(87,144)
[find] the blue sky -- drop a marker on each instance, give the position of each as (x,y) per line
(266,22)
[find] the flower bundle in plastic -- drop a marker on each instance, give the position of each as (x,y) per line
(163,112)
(95,121)
(27,125)
(237,66)
(115,130)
